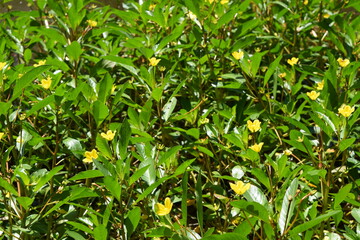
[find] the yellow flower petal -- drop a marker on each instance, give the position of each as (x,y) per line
(253,126)
(257,147)
(313,95)
(154,61)
(162,209)
(343,62)
(238,55)
(91,23)
(239,187)
(346,110)
(89,156)
(46,83)
(320,85)
(2,65)
(109,135)
(41,62)
(293,61)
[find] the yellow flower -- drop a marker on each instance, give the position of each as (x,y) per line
(109,135)
(41,62)
(257,147)
(92,23)
(326,15)
(22,116)
(154,61)
(224,2)
(306,2)
(1,135)
(238,55)
(2,65)
(287,152)
(162,209)
(320,85)
(253,126)
(239,187)
(313,95)
(343,62)
(282,75)
(191,15)
(293,61)
(152,7)
(89,156)
(113,88)
(346,110)
(46,83)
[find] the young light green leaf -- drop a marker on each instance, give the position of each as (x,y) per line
(288,204)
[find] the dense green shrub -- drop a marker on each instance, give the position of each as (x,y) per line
(180,119)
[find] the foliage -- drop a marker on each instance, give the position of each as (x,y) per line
(107,113)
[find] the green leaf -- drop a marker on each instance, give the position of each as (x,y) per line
(254,194)
(100,112)
(226,236)
(74,146)
(273,66)
(74,51)
(184,198)
(74,235)
(355,212)
(125,134)
(25,202)
(87,174)
(346,143)
(262,177)
(310,224)
(254,208)
(342,194)
(169,108)
(25,80)
(40,105)
(194,132)
(288,204)
(199,203)
(80,226)
(43,180)
(132,221)
(255,62)
(103,146)
(105,87)
(138,174)
(113,186)
(100,232)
